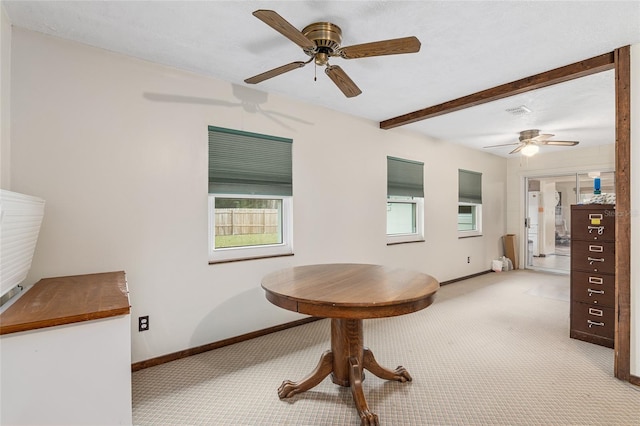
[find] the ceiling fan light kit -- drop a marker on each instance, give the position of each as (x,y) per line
(530,141)
(530,150)
(321,41)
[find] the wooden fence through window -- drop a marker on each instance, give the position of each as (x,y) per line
(246,221)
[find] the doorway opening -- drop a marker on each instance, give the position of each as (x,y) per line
(548,215)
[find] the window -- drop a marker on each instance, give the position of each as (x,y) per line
(405,201)
(250,188)
(469,203)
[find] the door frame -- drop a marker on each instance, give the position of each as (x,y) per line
(620,61)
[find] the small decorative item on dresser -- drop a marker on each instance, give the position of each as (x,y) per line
(593,273)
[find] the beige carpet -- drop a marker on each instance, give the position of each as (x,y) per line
(492,350)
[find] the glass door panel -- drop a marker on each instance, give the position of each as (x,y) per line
(548,209)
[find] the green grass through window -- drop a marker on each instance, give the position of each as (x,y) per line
(225,241)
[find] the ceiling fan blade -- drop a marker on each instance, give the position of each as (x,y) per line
(378,48)
(559,143)
(502,144)
(542,137)
(275,72)
(281,25)
(518,149)
(342,80)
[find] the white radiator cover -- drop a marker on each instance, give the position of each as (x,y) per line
(20,219)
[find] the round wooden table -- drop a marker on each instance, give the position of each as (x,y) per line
(348,293)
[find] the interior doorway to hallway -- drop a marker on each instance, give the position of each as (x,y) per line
(548,220)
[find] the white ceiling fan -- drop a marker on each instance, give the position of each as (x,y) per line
(530,141)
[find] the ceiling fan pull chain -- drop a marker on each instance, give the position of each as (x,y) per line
(315,72)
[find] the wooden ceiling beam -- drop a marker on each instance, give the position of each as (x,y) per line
(569,72)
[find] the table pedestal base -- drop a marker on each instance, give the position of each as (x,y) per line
(345,362)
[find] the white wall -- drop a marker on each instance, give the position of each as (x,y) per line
(635,210)
(125,181)
(5,99)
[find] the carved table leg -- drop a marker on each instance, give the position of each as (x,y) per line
(369,362)
(367,418)
(346,361)
(324,367)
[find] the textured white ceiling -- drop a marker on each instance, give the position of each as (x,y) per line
(466,47)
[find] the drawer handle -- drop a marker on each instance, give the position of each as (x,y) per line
(596,280)
(600,229)
(592,292)
(596,312)
(592,323)
(597,249)
(594,259)
(597,216)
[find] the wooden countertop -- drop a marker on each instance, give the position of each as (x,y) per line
(67,300)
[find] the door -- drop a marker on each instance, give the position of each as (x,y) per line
(548,221)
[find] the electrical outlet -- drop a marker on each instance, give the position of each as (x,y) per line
(468,259)
(143,323)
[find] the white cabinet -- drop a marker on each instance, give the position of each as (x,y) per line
(65,353)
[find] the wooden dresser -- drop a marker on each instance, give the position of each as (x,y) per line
(593,273)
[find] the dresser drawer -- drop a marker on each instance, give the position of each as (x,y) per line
(596,289)
(590,319)
(593,256)
(593,223)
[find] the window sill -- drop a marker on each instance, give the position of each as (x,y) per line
(460,236)
(242,259)
(395,243)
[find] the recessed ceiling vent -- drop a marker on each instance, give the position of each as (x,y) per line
(519,110)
